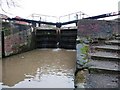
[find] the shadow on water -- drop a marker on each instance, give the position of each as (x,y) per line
(40,68)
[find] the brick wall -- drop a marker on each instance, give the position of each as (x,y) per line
(97,28)
(17,39)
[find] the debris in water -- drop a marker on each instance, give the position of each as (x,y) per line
(22,57)
(57,49)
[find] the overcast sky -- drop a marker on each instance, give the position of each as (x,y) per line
(63,7)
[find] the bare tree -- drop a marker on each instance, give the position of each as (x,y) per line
(8,3)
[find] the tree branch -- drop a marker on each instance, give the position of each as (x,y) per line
(13,3)
(9,3)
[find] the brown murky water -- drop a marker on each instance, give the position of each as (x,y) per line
(46,68)
(0,70)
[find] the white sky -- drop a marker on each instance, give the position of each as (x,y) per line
(63,7)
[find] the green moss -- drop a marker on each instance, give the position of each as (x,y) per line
(6,31)
(85,49)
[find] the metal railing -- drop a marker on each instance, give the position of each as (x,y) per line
(73,16)
(41,17)
(64,18)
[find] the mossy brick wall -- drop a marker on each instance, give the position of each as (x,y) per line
(18,38)
(97,28)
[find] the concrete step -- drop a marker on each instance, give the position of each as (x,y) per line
(102,80)
(105,56)
(113,42)
(108,47)
(104,65)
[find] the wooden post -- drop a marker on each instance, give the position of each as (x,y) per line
(2,44)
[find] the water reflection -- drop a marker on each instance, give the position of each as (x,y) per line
(45,68)
(0,70)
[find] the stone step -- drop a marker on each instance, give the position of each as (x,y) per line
(105,56)
(102,80)
(113,42)
(104,65)
(117,35)
(108,47)
(117,38)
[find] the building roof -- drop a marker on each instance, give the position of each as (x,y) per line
(20,22)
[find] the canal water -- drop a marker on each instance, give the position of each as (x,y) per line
(40,68)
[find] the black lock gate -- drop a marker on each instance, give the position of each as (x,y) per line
(52,38)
